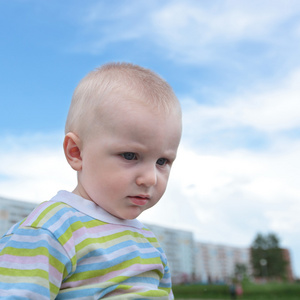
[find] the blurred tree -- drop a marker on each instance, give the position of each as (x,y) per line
(267,257)
(240,271)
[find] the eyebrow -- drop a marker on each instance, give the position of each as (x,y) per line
(137,147)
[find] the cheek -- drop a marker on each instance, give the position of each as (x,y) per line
(114,181)
(163,184)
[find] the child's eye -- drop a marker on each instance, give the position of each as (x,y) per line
(161,161)
(129,155)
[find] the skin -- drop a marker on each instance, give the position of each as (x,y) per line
(124,164)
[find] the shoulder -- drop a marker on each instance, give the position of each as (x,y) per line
(54,217)
(51,223)
(47,214)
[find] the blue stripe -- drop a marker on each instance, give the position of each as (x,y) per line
(70,219)
(141,279)
(15,298)
(3,241)
(35,288)
(115,261)
(122,245)
(15,243)
(92,292)
(13,228)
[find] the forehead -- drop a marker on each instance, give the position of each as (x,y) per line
(126,100)
(135,119)
(122,105)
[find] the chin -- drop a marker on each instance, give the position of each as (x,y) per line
(132,216)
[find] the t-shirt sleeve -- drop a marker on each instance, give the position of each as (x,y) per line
(33,264)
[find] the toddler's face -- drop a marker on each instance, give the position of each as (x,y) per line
(127,161)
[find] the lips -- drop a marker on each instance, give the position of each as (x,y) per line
(139,200)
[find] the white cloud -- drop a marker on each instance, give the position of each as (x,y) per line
(270,112)
(102,24)
(225,20)
(190,31)
(197,31)
(238,190)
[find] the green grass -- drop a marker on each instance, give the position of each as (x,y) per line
(200,291)
(268,291)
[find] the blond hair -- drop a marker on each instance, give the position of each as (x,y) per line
(111,79)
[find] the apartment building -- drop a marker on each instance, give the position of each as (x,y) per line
(179,246)
(217,263)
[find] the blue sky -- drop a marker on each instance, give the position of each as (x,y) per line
(235,67)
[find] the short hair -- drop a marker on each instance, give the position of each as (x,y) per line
(116,78)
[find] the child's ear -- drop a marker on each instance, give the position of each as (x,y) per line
(72,150)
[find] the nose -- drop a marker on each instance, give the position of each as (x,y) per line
(147,176)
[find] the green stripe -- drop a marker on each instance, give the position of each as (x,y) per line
(94,223)
(118,267)
(54,262)
(167,290)
(155,293)
(30,274)
(54,289)
(49,210)
(24,273)
(64,238)
(109,238)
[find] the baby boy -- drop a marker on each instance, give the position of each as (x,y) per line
(122,134)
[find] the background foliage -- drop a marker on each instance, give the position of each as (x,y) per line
(267,257)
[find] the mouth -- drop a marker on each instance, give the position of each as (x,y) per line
(139,200)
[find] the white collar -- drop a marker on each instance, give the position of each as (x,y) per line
(91,209)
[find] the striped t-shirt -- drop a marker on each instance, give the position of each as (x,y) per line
(70,248)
